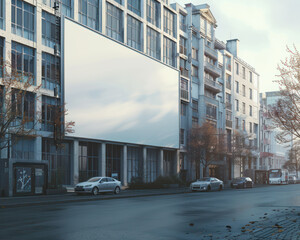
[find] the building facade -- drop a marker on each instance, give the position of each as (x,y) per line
(215,86)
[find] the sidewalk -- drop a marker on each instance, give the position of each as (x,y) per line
(8,202)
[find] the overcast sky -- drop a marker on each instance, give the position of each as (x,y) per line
(264,28)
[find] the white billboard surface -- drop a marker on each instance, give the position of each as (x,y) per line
(114,93)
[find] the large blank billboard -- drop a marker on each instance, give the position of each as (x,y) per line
(115,93)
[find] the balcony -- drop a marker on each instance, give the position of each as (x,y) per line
(229,123)
(184,72)
(184,95)
(211,52)
(212,85)
(229,106)
(212,69)
(182,50)
(220,44)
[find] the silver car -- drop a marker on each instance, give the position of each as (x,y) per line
(99,184)
(207,184)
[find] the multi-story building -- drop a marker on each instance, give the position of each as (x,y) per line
(272,153)
(183,38)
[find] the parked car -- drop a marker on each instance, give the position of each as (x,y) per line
(292,180)
(99,184)
(207,184)
(242,182)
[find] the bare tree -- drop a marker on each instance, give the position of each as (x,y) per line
(205,147)
(294,159)
(18,113)
(286,112)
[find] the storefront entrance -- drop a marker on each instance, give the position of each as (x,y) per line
(30,179)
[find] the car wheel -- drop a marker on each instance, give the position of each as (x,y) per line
(117,190)
(220,188)
(95,191)
(208,188)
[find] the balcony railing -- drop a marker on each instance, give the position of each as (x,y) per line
(229,123)
(211,52)
(184,72)
(228,105)
(182,49)
(184,94)
(214,70)
(213,85)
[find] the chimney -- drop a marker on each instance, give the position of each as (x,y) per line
(232,46)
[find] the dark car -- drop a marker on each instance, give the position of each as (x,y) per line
(242,182)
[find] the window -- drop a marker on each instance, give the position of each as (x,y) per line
(202,24)
(50,71)
(194,121)
(228,63)
(236,105)
(88,13)
(250,76)
(23,106)
(244,90)
(183,109)
(209,29)
(2,14)
(211,111)
(228,81)
(236,123)
(255,128)
(48,30)
(250,127)
(22,19)
(153,12)
(87,160)
(195,53)
(244,73)
(250,93)
(237,68)
(181,136)
(194,71)
(182,22)
(134,163)
(250,110)
(169,22)
(48,113)
(65,6)
(182,44)
(169,52)
(244,108)
(244,125)
(134,6)
(23,61)
(153,43)
(237,87)
(195,106)
(114,22)
(134,33)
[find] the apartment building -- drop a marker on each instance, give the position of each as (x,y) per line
(272,153)
(36,37)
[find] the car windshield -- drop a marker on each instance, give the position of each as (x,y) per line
(206,179)
(95,179)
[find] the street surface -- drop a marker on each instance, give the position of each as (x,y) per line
(271,212)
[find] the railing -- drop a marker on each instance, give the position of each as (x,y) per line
(184,72)
(228,105)
(182,49)
(212,68)
(184,94)
(229,123)
(212,52)
(213,84)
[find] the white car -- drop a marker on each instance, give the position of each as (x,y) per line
(207,184)
(99,184)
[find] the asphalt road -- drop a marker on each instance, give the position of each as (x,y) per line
(181,216)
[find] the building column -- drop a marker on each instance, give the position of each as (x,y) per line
(102,160)
(75,165)
(161,162)
(145,164)
(177,163)
(124,166)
